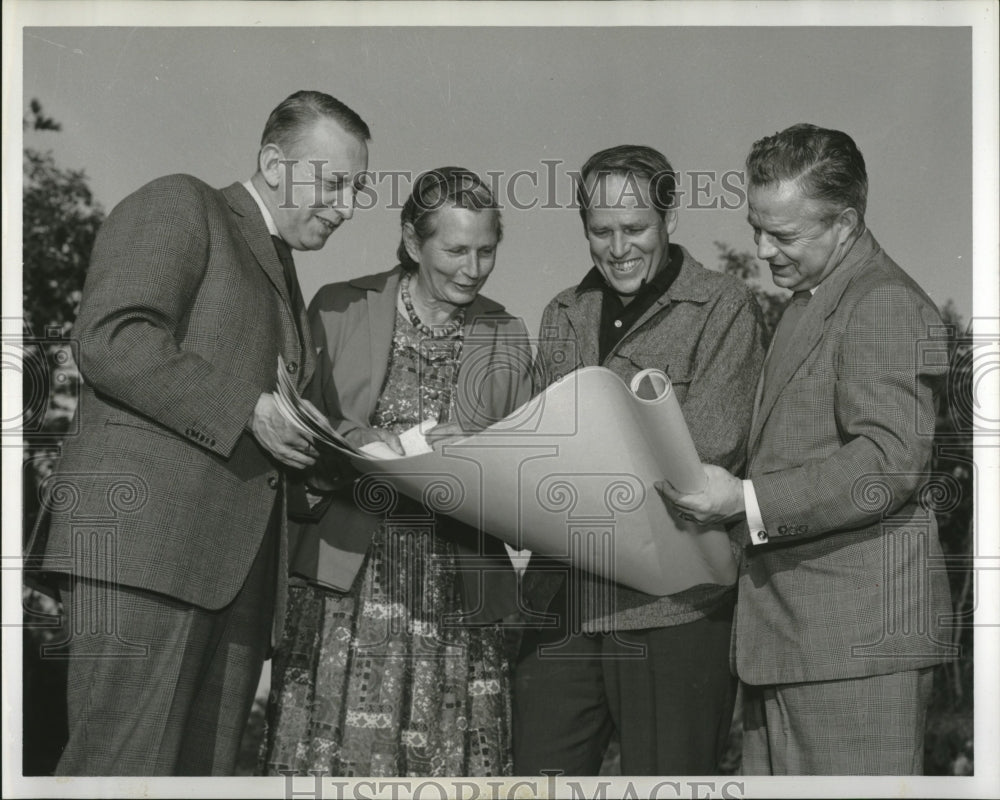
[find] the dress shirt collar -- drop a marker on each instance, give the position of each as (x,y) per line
(268,219)
(859,251)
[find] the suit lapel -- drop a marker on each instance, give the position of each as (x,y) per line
(808,333)
(258,239)
(254,231)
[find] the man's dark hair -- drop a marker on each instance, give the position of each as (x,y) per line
(631,161)
(825,163)
(298,111)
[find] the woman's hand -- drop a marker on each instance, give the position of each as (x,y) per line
(445,433)
(359,437)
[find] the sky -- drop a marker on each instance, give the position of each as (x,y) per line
(139,102)
(514,90)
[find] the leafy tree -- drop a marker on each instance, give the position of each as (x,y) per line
(60,222)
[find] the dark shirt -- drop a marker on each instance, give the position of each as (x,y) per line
(616,317)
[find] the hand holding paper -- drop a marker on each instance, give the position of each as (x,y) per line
(371,443)
(288,443)
(445,433)
(304,416)
(719,502)
(376,442)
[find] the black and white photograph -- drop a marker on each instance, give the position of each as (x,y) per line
(501,399)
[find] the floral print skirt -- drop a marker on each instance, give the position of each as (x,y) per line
(376,682)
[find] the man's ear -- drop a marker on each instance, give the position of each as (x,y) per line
(411,242)
(671,220)
(849,221)
(269,161)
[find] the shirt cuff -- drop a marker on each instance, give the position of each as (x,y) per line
(755,520)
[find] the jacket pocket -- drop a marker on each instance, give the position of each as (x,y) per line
(125,421)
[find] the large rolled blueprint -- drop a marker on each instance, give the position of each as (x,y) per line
(570,474)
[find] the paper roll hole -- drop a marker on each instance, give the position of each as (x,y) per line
(650,384)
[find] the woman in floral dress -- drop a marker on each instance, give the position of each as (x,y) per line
(393,661)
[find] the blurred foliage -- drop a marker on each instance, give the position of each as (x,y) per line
(59,224)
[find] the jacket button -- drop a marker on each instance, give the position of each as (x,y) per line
(292,367)
(272,481)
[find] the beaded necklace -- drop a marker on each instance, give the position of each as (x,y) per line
(438,331)
(433,351)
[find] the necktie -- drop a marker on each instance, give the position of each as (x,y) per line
(291,280)
(288,263)
(784,336)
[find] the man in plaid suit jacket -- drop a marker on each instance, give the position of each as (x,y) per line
(840,607)
(165,527)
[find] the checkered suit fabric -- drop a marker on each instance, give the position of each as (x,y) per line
(184,313)
(850,583)
(157,686)
(862,726)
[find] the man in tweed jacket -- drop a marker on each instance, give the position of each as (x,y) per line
(654,668)
(165,527)
(840,608)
